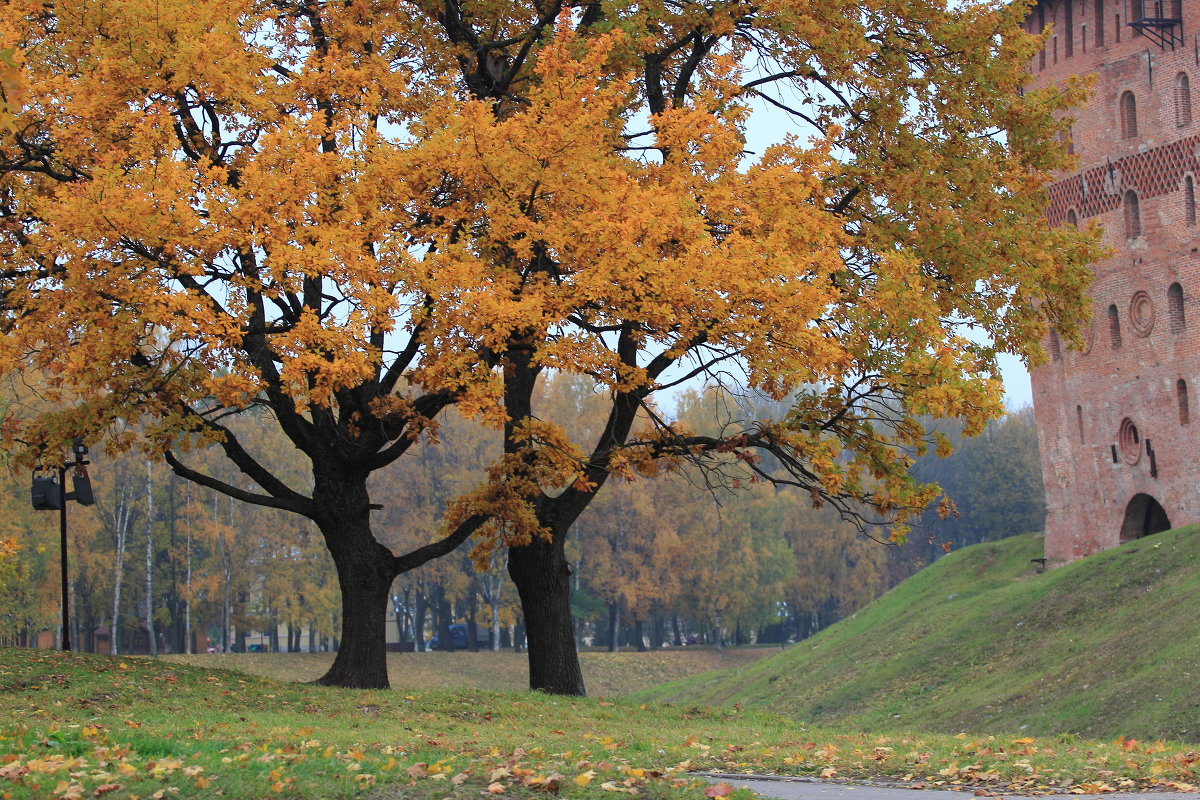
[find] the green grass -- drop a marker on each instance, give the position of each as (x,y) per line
(1106,646)
(74,726)
(606,674)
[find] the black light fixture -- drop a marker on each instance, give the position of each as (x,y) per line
(47,493)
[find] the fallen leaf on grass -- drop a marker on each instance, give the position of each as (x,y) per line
(613,786)
(68,790)
(719,790)
(496,788)
(584,778)
(418,770)
(1092,788)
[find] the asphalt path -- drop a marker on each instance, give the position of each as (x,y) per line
(786,788)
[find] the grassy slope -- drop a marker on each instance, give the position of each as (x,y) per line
(1106,646)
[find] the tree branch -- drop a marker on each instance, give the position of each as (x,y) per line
(302,505)
(421,555)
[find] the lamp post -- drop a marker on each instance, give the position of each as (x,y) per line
(47,493)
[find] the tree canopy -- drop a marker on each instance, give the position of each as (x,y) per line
(356,214)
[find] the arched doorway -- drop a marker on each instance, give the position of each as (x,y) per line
(1143,517)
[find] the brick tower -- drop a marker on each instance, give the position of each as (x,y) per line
(1118,443)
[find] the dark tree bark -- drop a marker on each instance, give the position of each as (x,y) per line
(542,577)
(657,632)
(614,627)
(518,638)
(444,619)
(639,635)
(365,571)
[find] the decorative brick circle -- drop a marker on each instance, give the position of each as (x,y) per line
(1129,442)
(1141,314)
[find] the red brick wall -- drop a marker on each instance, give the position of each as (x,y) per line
(1082,398)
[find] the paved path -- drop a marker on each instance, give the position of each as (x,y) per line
(812,789)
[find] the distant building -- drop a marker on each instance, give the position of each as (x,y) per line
(1116,422)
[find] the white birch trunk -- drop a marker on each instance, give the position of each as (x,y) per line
(493,590)
(187,598)
(152,644)
(227,571)
(121,528)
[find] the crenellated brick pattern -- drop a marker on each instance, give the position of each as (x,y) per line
(1099,189)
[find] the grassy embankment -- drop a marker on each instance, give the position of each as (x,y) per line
(91,726)
(980,642)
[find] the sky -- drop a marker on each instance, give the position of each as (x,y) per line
(1017,393)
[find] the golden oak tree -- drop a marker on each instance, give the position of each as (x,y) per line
(613,226)
(200,214)
(314,206)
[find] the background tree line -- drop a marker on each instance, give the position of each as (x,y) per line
(659,562)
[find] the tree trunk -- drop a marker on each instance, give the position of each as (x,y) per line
(421,606)
(365,571)
(542,577)
(226,583)
(493,584)
(151,634)
(658,633)
(400,610)
(121,526)
(614,627)
(187,607)
(639,634)
(445,616)
(472,622)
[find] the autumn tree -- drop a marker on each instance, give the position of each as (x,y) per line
(353,215)
(201,214)
(601,199)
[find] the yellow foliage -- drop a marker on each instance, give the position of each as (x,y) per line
(359,214)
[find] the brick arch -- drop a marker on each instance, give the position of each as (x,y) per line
(1176,320)
(1127,114)
(1189,200)
(1144,516)
(1133,215)
(1183,100)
